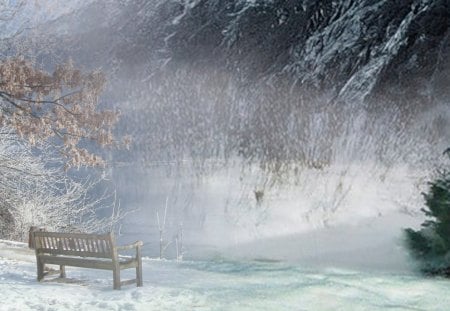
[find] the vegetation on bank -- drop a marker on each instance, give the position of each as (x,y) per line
(430,245)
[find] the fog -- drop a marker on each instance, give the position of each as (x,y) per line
(253,152)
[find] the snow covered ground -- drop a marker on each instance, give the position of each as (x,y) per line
(216,285)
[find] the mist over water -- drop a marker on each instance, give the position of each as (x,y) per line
(334,186)
(272,130)
(355,202)
(260,166)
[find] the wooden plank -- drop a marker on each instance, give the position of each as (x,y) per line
(108,247)
(65,244)
(77,244)
(72,235)
(76,262)
(45,242)
(105,246)
(49,242)
(73,253)
(85,247)
(72,245)
(89,246)
(93,248)
(59,244)
(54,242)
(99,245)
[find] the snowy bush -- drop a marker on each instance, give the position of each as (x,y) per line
(430,245)
(35,191)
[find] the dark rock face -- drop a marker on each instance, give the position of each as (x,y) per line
(347,49)
(353,49)
(420,68)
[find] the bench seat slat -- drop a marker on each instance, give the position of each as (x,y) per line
(54,242)
(87,262)
(73,253)
(77,262)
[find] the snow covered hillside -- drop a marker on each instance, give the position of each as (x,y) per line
(215,285)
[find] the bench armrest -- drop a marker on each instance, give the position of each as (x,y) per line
(136,244)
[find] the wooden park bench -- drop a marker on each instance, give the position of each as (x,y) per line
(96,251)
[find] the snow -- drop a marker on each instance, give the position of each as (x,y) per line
(216,285)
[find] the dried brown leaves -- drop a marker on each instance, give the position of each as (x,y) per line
(63,105)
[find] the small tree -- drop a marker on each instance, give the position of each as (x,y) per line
(430,245)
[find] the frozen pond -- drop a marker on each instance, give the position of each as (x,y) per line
(218,285)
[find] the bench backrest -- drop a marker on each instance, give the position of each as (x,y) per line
(74,244)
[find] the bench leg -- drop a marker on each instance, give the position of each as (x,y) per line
(139,282)
(62,273)
(40,270)
(116,278)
